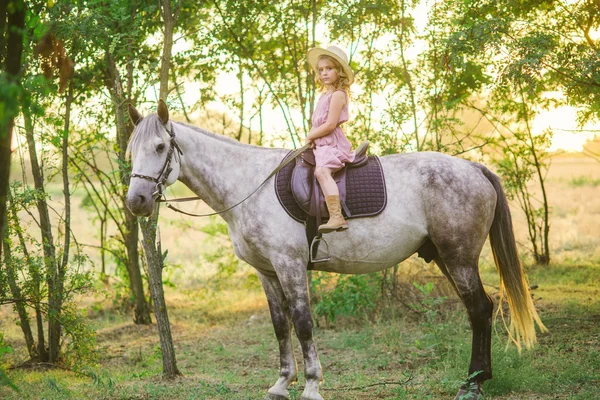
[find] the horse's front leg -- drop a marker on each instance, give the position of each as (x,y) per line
(280,315)
(292,275)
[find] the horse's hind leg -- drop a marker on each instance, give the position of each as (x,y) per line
(466,280)
(280,315)
(444,270)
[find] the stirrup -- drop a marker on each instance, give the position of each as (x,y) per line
(316,240)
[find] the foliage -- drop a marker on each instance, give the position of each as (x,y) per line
(221,256)
(4,379)
(417,89)
(584,181)
(374,296)
(510,77)
(429,304)
(345,295)
(25,260)
(525,160)
(80,347)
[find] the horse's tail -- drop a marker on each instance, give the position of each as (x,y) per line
(512,277)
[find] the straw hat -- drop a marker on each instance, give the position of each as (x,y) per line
(334,52)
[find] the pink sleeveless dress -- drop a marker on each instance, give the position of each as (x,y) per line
(333,150)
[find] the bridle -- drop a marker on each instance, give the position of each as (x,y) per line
(161,180)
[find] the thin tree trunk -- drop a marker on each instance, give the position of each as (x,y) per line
(130,237)
(155,266)
(170,19)
(36,280)
(149,225)
(103,233)
(11,47)
(47,243)
(241,81)
(260,117)
(56,290)
(11,277)
(407,78)
(544,258)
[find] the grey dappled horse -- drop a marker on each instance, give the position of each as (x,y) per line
(433,199)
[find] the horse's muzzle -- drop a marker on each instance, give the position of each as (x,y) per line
(140,205)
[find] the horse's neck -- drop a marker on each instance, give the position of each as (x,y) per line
(220,171)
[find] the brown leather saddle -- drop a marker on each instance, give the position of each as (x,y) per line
(361,185)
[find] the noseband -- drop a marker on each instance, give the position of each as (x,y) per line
(166,169)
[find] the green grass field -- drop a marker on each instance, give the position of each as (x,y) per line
(226,348)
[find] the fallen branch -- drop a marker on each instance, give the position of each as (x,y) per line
(400,383)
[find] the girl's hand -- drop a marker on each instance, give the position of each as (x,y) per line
(311,142)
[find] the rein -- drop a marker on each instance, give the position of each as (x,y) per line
(166,171)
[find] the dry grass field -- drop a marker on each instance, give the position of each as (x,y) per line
(226,348)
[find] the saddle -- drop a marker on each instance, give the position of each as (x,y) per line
(361,185)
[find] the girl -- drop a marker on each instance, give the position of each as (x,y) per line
(331,147)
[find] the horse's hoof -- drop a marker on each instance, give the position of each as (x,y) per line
(471,391)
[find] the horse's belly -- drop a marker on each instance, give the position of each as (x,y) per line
(359,253)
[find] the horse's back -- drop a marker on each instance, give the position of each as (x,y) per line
(435,177)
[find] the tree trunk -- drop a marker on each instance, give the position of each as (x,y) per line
(12,25)
(141,310)
(155,266)
(154,255)
(62,268)
(11,277)
(544,257)
(114,85)
(103,276)
(36,279)
(47,244)
(56,284)
(241,81)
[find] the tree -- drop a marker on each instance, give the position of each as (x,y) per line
(114,31)
(120,95)
(49,60)
(149,226)
(12,29)
(502,67)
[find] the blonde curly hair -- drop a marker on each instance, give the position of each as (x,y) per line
(343,81)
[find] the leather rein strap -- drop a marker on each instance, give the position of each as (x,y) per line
(166,171)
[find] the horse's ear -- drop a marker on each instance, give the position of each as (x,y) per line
(163,112)
(134,115)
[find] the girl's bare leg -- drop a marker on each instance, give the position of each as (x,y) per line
(328,185)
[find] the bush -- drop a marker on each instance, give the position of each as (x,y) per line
(4,379)
(346,295)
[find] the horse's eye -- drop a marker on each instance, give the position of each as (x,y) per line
(160,148)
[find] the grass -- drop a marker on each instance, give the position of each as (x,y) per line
(226,348)
(584,181)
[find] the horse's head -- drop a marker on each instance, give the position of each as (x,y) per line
(154,158)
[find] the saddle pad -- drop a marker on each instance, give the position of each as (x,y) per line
(283,189)
(365,190)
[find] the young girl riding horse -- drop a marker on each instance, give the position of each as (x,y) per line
(331,146)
